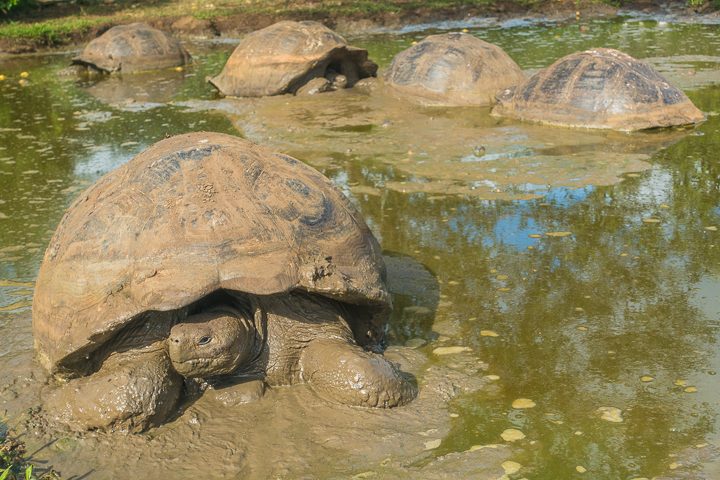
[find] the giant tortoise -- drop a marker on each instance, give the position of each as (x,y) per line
(599,88)
(453,69)
(287,55)
(209,257)
(132,48)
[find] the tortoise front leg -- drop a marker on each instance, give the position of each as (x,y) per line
(346,373)
(132,391)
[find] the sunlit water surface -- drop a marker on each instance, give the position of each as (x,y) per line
(582,268)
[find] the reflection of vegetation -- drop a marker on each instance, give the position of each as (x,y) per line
(55,139)
(586,316)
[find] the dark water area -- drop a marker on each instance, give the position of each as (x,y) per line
(580,270)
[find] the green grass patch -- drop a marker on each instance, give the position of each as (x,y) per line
(50,31)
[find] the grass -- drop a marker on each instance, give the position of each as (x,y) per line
(15,466)
(51,31)
(71,22)
(76,20)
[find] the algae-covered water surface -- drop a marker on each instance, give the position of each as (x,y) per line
(557,291)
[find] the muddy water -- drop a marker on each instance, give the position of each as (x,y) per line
(578,270)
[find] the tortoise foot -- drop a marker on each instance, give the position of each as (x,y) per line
(240,393)
(131,392)
(348,374)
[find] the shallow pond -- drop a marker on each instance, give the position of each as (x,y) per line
(581,270)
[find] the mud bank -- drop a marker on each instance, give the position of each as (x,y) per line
(61,25)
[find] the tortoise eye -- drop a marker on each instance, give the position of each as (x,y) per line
(204,340)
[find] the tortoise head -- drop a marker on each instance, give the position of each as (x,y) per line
(210,343)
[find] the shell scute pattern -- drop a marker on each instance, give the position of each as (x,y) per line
(601,88)
(452,69)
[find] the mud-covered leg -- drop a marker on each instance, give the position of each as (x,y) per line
(132,391)
(239,393)
(348,374)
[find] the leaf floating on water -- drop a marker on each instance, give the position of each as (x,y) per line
(433,444)
(651,220)
(493,377)
(690,389)
(558,234)
(475,448)
(711,228)
(610,414)
(680,382)
(521,403)
(504,289)
(535,235)
(674,465)
(646,378)
(511,467)
(415,342)
(362,475)
(512,435)
(580,469)
(489,333)
(502,277)
(450,350)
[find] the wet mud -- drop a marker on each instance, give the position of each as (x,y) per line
(560,311)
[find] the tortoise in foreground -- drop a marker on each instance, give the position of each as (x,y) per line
(600,88)
(285,56)
(453,69)
(132,48)
(208,256)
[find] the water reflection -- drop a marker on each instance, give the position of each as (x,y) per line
(625,289)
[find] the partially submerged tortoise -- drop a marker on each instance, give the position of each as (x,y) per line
(453,69)
(132,48)
(209,256)
(599,88)
(287,55)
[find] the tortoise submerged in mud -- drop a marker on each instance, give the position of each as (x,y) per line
(600,88)
(286,56)
(453,69)
(209,256)
(132,48)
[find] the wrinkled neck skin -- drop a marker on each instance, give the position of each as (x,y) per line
(221,340)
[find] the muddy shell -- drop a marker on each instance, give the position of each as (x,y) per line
(453,69)
(132,48)
(599,88)
(285,56)
(191,215)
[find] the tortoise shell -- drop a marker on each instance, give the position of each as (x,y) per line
(600,88)
(453,69)
(285,56)
(132,48)
(191,215)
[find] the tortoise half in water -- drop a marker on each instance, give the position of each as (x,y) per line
(453,69)
(285,56)
(132,48)
(600,88)
(207,256)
